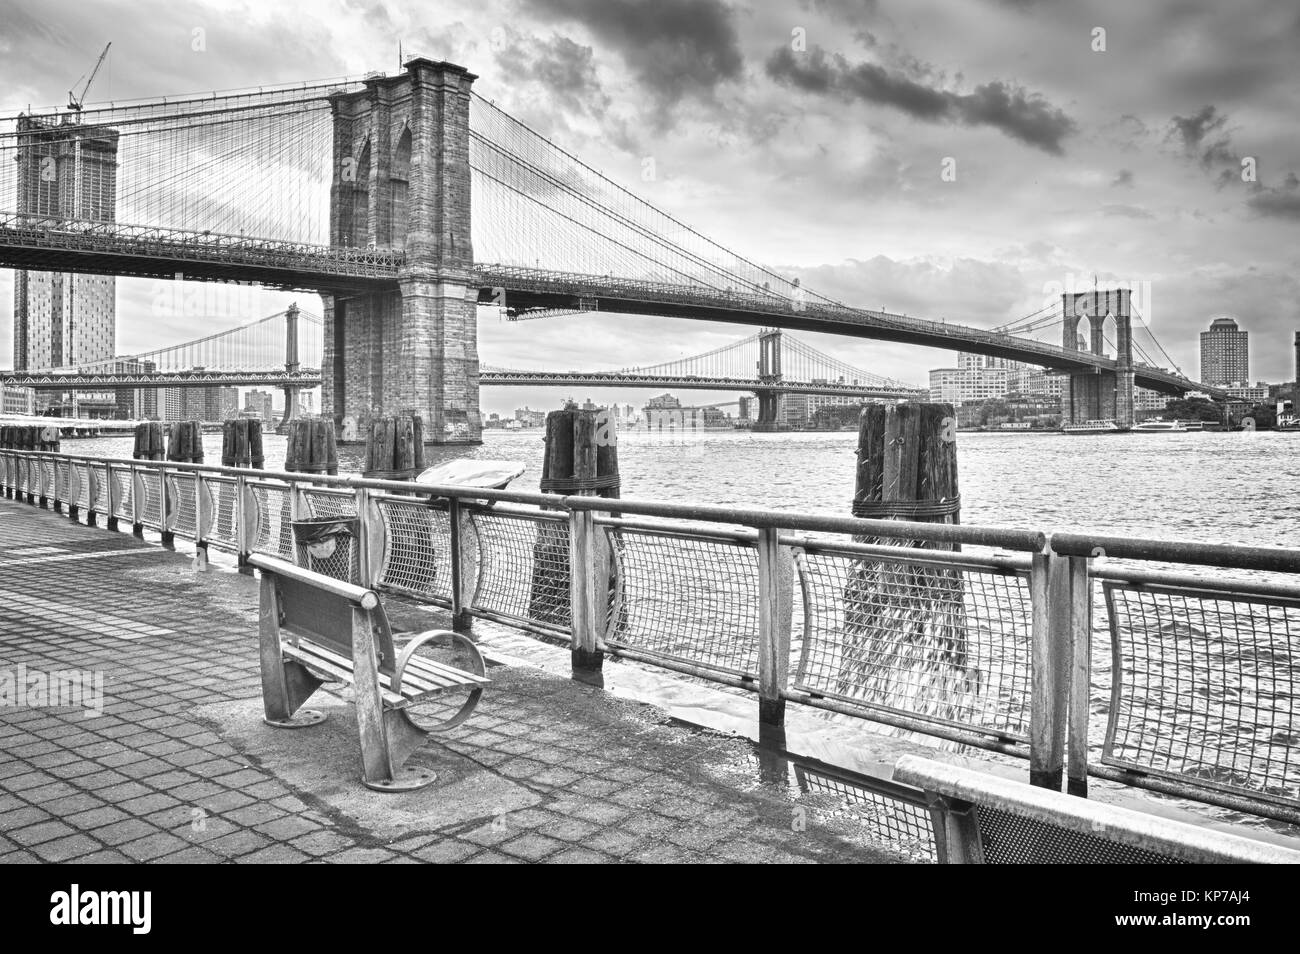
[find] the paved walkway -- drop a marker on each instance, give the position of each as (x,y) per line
(179,768)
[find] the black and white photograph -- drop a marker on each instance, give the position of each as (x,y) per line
(664,432)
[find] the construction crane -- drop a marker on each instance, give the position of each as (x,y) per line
(74,101)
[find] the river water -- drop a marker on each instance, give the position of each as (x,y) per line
(1221,487)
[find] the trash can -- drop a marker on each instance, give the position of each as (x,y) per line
(327,545)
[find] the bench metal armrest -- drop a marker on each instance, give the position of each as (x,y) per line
(476,661)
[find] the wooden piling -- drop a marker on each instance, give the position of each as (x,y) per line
(905,626)
(241,443)
(312,449)
(395,447)
(581,458)
(149,442)
(185,442)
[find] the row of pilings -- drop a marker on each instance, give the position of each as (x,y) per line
(905,631)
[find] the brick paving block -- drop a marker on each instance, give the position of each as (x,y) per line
(122,792)
(66,849)
(531,847)
(238,843)
(152,846)
(568,829)
(492,858)
(614,842)
(579,856)
(117,833)
(145,804)
(96,818)
(360,856)
(21,817)
(283,829)
(41,831)
(276,855)
(197,790)
(321,842)
(101,858)
(193,855)
(255,814)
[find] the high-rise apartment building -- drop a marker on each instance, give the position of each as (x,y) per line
(1225,353)
(65,171)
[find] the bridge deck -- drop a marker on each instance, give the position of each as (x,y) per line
(148,252)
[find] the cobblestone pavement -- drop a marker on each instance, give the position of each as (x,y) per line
(168,773)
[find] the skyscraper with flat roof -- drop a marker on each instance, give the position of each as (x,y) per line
(1225,353)
(66,171)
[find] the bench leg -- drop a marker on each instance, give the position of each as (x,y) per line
(388,736)
(286,683)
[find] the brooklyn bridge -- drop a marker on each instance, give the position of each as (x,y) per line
(408,202)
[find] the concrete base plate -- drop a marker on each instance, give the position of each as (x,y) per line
(325,766)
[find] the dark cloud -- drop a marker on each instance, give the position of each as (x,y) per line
(1203,136)
(1278,202)
(1019,114)
(676,48)
(565,69)
(1123,180)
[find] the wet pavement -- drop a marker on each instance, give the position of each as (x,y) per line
(178,766)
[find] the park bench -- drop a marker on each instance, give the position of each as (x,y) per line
(314,629)
(980,818)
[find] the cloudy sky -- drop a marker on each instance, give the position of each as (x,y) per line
(1114,139)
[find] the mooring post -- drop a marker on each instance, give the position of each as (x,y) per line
(907,639)
(581,459)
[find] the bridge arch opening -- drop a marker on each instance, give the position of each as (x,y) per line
(360,225)
(1083,332)
(398,185)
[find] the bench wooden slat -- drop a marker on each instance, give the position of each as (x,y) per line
(416,686)
(431,668)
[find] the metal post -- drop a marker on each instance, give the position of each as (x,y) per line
(74,490)
(1050,669)
(587,651)
(245,521)
(168,505)
(113,496)
(203,517)
(1080,675)
(464,565)
(775,609)
(137,502)
(371,540)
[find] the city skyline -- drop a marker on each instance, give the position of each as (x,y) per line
(844,142)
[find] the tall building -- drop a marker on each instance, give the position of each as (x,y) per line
(1225,353)
(64,171)
(17,400)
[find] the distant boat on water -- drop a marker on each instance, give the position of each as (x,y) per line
(1094,427)
(1159,424)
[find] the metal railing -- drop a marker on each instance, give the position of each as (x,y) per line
(1088,656)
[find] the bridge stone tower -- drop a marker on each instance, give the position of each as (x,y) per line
(771,404)
(402,183)
(1099,394)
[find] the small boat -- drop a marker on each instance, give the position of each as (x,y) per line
(469,472)
(1093,427)
(1159,424)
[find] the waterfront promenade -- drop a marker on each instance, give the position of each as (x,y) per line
(179,768)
